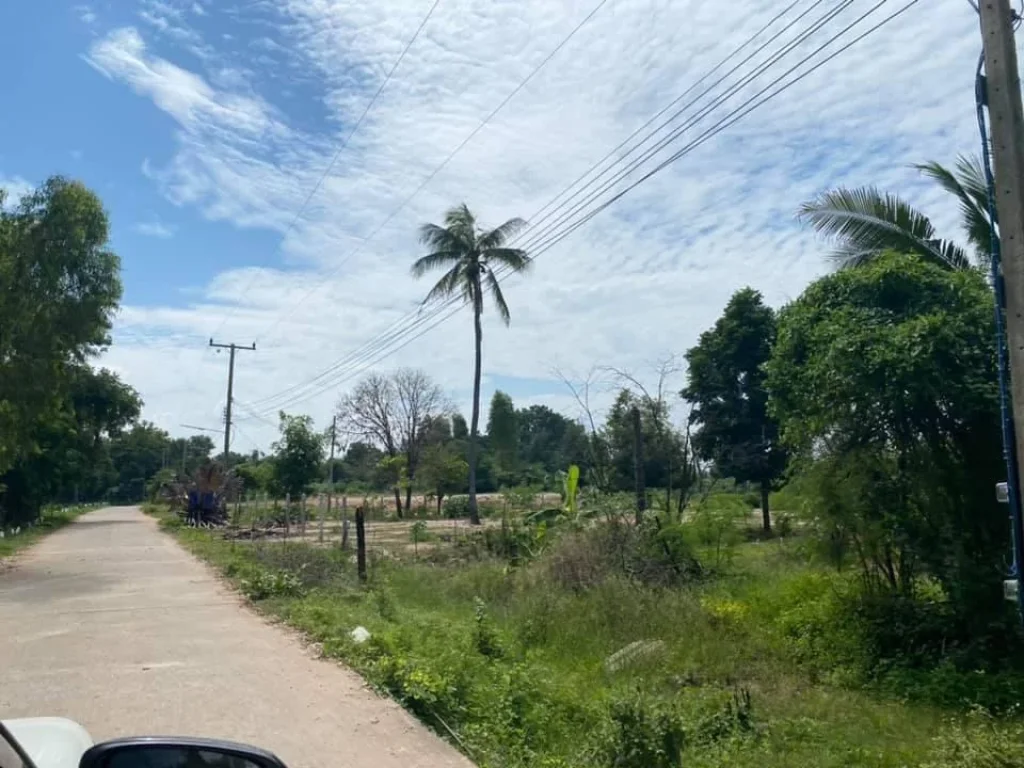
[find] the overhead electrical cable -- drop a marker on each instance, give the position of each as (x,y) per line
(397,326)
(752,103)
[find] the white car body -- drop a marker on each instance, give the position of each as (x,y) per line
(50,742)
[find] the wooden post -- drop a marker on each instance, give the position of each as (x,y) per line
(302,516)
(287,515)
(639,483)
(344,521)
(360,544)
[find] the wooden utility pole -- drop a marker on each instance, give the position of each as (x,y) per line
(231,384)
(1002,96)
(639,482)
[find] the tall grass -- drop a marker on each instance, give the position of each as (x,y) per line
(738,668)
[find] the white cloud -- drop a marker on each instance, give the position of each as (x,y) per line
(154,229)
(15,188)
(641,280)
(86,14)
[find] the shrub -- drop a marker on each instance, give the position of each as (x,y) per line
(643,734)
(266,584)
(981,743)
(456,507)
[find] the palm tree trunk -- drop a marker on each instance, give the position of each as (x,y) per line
(474,422)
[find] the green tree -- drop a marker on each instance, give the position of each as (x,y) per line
(866,222)
(884,383)
(460,430)
(728,399)
(298,454)
(471,256)
(137,455)
(59,289)
(443,471)
(663,445)
(502,433)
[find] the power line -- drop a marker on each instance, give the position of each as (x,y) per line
(396,328)
(422,318)
(341,148)
(744,109)
(444,164)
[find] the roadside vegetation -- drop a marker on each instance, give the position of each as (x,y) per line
(786,552)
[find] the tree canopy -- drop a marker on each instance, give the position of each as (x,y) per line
(728,398)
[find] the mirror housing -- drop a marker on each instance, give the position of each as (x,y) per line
(175,752)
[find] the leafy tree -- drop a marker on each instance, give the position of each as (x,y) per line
(59,288)
(298,454)
(865,222)
(460,430)
(471,257)
(883,380)
(501,431)
(663,445)
(551,441)
(728,398)
(257,475)
(137,455)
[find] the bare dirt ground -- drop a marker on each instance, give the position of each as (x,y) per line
(109,622)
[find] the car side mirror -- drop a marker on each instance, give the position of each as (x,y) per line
(166,752)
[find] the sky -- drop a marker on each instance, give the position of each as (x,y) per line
(251,202)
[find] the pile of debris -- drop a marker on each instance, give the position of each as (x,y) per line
(201,498)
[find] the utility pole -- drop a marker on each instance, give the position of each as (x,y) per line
(330,476)
(1002,96)
(231,384)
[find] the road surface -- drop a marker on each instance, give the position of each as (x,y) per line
(109,622)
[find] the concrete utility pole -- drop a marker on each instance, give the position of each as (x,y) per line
(330,476)
(1006,117)
(231,384)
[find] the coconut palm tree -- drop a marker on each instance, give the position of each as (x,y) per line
(864,222)
(470,255)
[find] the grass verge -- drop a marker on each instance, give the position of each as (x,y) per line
(518,670)
(51,519)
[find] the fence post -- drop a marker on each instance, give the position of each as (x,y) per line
(287,515)
(321,514)
(360,544)
(344,521)
(302,516)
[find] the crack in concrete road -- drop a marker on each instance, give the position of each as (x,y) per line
(109,622)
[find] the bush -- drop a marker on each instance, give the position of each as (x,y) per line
(266,584)
(456,507)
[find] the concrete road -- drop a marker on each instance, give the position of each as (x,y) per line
(109,622)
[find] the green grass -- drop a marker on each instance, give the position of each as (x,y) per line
(50,520)
(514,669)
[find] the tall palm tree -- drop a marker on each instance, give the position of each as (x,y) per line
(470,256)
(864,222)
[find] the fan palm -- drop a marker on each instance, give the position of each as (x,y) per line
(470,256)
(864,222)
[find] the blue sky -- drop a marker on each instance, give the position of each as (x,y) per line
(204,126)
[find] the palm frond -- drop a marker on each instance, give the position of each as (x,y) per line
(498,236)
(499,299)
(447,286)
(514,258)
(435,260)
(969,185)
(460,222)
(437,238)
(867,222)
